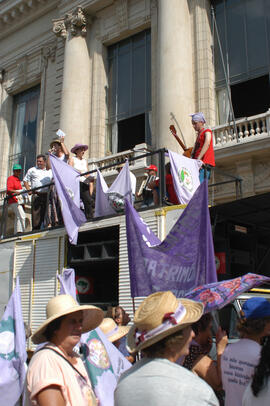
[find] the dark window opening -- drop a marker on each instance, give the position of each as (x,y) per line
(24,128)
(129,92)
(95,260)
(251,97)
(131,132)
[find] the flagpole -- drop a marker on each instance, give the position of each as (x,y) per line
(133,305)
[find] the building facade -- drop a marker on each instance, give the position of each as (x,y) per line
(115,74)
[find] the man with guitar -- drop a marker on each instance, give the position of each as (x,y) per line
(203,148)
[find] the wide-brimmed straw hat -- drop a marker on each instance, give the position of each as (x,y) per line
(160,315)
(63,305)
(112,331)
(56,141)
(77,146)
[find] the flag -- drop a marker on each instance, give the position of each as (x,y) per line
(103,361)
(12,350)
(112,200)
(67,283)
(183,261)
(67,184)
(185,173)
(217,295)
(104,364)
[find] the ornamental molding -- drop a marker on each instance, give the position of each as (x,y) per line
(121,9)
(74,22)
(17,13)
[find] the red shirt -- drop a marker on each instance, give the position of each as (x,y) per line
(13,183)
(169,189)
(209,156)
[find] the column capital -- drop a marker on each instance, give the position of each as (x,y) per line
(74,22)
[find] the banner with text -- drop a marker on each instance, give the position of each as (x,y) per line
(183,261)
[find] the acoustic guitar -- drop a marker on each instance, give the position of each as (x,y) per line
(187,151)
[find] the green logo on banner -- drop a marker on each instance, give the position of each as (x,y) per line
(96,357)
(7,329)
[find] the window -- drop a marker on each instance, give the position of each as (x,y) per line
(244,31)
(130,92)
(25,112)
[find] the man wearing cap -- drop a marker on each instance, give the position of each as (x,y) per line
(56,373)
(240,359)
(203,148)
(162,331)
(16,202)
(35,177)
(147,192)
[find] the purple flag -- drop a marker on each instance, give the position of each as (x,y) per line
(103,361)
(183,261)
(67,283)
(185,173)
(217,295)
(112,200)
(12,350)
(66,181)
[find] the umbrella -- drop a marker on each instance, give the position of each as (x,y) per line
(218,294)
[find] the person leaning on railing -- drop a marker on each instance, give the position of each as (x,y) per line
(16,201)
(35,177)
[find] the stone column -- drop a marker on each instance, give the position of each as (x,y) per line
(174,73)
(75,98)
(5,129)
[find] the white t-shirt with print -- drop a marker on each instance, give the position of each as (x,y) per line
(237,367)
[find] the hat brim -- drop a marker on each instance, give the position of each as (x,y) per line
(74,149)
(122,332)
(55,142)
(92,317)
(194,311)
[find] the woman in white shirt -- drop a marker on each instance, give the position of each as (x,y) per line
(86,181)
(258,391)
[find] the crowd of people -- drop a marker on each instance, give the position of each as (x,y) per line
(168,344)
(45,205)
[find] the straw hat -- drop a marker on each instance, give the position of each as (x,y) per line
(160,315)
(56,141)
(77,146)
(112,331)
(63,305)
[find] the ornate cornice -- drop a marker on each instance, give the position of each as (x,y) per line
(74,22)
(17,13)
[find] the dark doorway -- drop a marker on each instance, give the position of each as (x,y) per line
(251,97)
(131,132)
(95,260)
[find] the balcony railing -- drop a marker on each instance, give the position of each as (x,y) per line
(248,129)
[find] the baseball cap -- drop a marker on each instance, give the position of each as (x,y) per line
(16,167)
(256,308)
(152,168)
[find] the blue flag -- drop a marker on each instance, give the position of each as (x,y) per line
(183,261)
(12,350)
(111,200)
(67,184)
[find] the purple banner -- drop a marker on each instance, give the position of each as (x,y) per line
(183,261)
(67,184)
